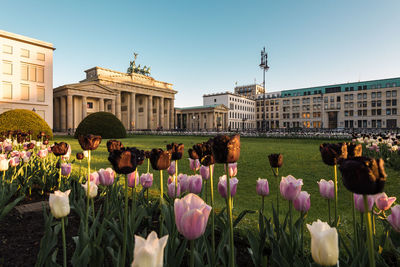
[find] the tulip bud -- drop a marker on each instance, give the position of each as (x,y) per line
(290,187)
(59,204)
(262,187)
(394,218)
(324,243)
(4,164)
(232,169)
(80,156)
(326,189)
(302,202)
(43,153)
(205,171)
(222,186)
(149,252)
(133,179)
(94,178)
(146,180)
(383,202)
(66,169)
(106,176)
(85,153)
(171,169)
(92,190)
(275,160)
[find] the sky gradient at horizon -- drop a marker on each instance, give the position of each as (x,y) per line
(205,47)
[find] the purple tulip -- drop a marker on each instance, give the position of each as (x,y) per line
(171,169)
(383,202)
(205,171)
(106,176)
(302,202)
(191,216)
(43,153)
(359,202)
(194,164)
(14,161)
(195,184)
(7,148)
(394,218)
(232,169)
(171,190)
(262,187)
(290,187)
(222,189)
(94,177)
(66,169)
(183,180)
(133,179)
(326,189)
(146,180)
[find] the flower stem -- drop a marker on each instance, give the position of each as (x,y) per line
(88,194)
(329,211)
(64,243)
(336,200)
(161,187)
(212,215)
(290,216)
(229,211)
(276,173)
(125,222)
(80,178)
(176,178)
(59,174)
(148,165)
(262,205)
(370,242)
(302,233)
(191,263)
(354,223)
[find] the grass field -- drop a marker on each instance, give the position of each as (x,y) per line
(301,159)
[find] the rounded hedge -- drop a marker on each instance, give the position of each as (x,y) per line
(24,120)
(104,124)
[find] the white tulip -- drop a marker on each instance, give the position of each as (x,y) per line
(92,191)
(4,164)
(59,203)
(324,243)
(149,252)
(86,153)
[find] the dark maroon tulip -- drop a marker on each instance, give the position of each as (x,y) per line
(60,149)
(203,152)
(176,150)
(147,154)
(354,150)
(275,160)
(160,159)
(80,156)
(332,153)
(225,149)
(31,146)
(89,142)
(362,175)
(114,145)
(125,160)
(45,142)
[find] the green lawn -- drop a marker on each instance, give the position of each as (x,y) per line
(301,159)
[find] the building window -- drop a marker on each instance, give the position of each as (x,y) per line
(365,112)
(388,102)
(7,67)
(40,56)
(40,74)
(394,111)
(7,49)
(378,94)
(394,102)
(24,92)
(7,90)
(32,73)
(394,93)
(24,52)
(373,95)
(40,94)
(24,72)
(388,111)
(379,112)
(215,100)
(373,112)
(388,93)
(89,105)
(379,103)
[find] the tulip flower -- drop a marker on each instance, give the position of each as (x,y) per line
(326,188)
(106,176)
(67,155)
(66,169)
(191,216)
(354,150)
(94,177)
(160,159)
(183,180)
(302,202)
(202,152)
(205,171)
(42,153)
(290,187)
(60,149)
(126,160)
(331,153)
(26,159)
(171,190)
(383,202)
(92,190)
(146,180)
(171,169)
(85,153)
(232,169)
(194,164)
(359,202)
(4,164)
(59,203)
(149,252)
(15,154)
(262,187)
(14,161)
(195,184)
(226,149)
(89,142)
(176,150)
(222,188)
(275,160)
(394,218)
(80,156)
(324,243)
(114,145)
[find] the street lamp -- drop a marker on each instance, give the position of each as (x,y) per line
(264,66)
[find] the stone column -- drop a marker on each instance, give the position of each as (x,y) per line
(56,117)
(162,112)
(113,106)
(171,114)
(70,112)
(166,117)
(101,104)
(118,106)
(84,107)
(63,114)
(132,109)
(150,112)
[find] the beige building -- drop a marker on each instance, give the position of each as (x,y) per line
(139,101)
(26,75)
(249,91)
(202,118)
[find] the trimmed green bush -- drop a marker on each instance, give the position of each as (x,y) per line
(104,124)
(24,120)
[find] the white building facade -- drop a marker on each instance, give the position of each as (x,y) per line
(241,115)
(26,75)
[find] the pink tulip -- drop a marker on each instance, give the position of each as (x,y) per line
(66,169)
(171,190)
(205,171)
(42,153)
(191,216)
(94,177)
(133,179)
(394,218)
(7,148)
(194,164)
(262,187)
(171,169)
(195,184)
(383,202)
(359,202)
(170,179)
(290,187)
(222,186)
(15,154)
(183,180)
(106,176)
(146,180)
(14,161)
(232,169)
(326,189)
(302,202)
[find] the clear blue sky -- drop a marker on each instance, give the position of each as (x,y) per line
(206,46)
